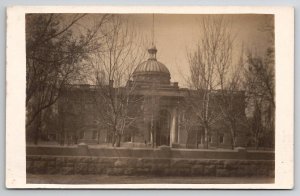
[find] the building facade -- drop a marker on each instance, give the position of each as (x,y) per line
(163,116)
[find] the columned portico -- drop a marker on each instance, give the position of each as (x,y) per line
(152,79)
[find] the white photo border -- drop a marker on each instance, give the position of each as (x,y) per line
(16,81)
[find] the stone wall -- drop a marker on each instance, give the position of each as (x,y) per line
(161,162)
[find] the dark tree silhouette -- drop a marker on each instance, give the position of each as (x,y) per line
(54,56)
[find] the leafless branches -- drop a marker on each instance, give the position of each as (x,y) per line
(113,66)
(208,65)
(231,99)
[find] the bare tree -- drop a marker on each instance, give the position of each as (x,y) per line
(213,51)
(188,121)
(113,67)
(256,124)
(231,99)
(53,58)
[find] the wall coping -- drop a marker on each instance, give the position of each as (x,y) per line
(150,152)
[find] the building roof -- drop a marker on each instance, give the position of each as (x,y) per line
(151,65)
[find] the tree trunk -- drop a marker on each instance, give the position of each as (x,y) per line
(62,138)
(37,129)
(62,129)
(187,140)
(206,137)
(118,140)
(113,139)
(36,136)
(197,139)
(256,143)
(68,138)
(233,139)
(233,144)
(256,139)
(98,138)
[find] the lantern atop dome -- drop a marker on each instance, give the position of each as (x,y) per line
(152,53)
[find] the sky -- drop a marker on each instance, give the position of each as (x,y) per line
(176,34)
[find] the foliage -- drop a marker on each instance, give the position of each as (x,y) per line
(54,56)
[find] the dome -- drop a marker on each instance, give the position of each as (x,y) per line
(152,70)
(151,66)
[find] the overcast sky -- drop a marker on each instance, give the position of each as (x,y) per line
(175,34)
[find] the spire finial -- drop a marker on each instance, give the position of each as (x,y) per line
(152,51)
(152,29)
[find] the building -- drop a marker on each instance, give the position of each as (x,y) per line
(163,114)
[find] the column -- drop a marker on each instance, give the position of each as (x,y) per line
(177,127)
(174,128)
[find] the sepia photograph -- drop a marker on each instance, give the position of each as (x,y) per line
(150,98)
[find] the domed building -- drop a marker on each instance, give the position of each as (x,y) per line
(153,74)
(160,101)
(160,110)
(152,70)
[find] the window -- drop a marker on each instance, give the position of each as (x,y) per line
(95,134)
(82,134)
(127,138)
(221,139)
(108,137)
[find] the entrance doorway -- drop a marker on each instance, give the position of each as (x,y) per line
(163,129)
